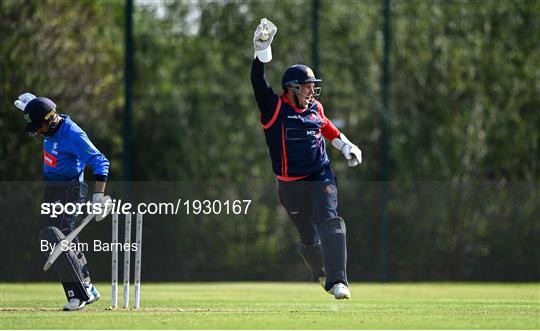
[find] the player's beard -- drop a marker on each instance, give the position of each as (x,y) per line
(306,98)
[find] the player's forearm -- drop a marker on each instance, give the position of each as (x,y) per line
(99,187)
(260,84)
(100,166)
(264,95)
(329,130)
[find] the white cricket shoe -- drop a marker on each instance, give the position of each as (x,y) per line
(340,291)
(74,304)
(93,293)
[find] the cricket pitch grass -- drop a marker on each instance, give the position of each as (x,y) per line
(281,306)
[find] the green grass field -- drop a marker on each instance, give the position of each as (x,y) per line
(282,306)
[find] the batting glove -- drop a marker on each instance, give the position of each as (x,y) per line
(352,153)
(262,39)
(23,100)
(105,202)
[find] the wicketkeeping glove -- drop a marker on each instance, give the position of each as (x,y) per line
(352,153)
(106,207)
(23,100)
(262,39)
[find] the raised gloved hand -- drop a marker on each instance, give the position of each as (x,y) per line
(352,153)
(262,39)
(23,100)
(105,202)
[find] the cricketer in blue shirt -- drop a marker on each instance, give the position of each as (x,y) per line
(67,150)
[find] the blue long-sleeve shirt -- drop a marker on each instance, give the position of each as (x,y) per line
(67,152)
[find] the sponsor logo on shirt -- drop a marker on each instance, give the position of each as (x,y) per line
(302,134)
(49,159)
(55,149)
(312,117)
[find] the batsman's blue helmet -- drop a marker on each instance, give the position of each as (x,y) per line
(38,111)
(298,74)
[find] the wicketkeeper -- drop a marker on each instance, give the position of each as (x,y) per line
(66,152)
(295,126)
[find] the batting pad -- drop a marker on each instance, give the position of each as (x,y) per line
(311,254)
(68,267)
(334,251)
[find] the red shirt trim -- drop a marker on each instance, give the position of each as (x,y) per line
(284,166)
(274,117)
(293,106)
(328,129)
(290,179)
